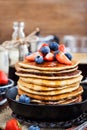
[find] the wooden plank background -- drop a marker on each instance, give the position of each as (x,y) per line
(59,17)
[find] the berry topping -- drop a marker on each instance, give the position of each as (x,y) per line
(32,56)
(49,57)
(45,50)
(55,52)
(39,59)
(32,127)
(61,47)
(42,45)
(50,52)
(24,99)
(63,59)
(68,55)
(54,46)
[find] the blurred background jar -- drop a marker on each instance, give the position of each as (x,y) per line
(19,34)
(4,60)
(15,31)
(83,45)
(18,50)
(18,30)
(70,42)
(23,49)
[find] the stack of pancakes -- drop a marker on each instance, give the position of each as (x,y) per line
(50,82)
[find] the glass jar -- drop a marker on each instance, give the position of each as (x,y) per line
(70,43)
(4,60)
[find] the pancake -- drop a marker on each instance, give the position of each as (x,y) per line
(52,98)
(48,93)
(20,68)
(51,76)
(44,88)
(51,83)
(63,101)
(47,66)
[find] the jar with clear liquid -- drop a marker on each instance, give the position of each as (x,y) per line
(16,53)
(4,60)
(19,34)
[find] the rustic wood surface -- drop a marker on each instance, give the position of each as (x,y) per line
(60,17)
(5,115)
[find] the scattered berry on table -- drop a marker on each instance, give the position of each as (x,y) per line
(34,127)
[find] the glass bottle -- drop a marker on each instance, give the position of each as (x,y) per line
(4,60)
(13,52)
(23,49)
(15,34)
(21,30)
(18,31)
(17,53)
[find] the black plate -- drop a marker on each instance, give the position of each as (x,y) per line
(46,112)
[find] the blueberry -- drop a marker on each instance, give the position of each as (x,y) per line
(53,46)
(45,50)
(56,52)
(22,98)
(27,100)
(34,128)
(39,59)
(68,55)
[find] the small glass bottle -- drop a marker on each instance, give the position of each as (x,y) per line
(18,31)
(14,51)
(17,53)
(21,30)
(15,34)
(23,49)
